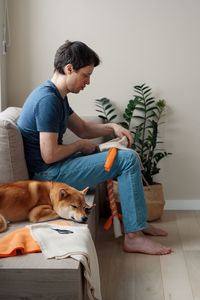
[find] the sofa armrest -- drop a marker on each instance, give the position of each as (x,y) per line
(13,165)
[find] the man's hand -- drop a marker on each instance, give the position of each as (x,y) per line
(120,131)
(87,147)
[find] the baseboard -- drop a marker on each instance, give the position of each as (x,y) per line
(182,205)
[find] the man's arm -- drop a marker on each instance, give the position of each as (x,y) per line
(52,152)
(87,130)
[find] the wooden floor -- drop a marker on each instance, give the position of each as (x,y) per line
(126,276)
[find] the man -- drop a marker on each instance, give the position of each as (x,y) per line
(45,116)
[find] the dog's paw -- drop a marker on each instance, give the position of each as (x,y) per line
(3,223)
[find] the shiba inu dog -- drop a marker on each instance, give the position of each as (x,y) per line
(40,201)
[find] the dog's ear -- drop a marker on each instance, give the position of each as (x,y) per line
(85,190)
(63,194)
(88,208)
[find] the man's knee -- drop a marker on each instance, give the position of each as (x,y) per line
(128,158)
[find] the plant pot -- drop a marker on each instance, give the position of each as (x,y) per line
(154,200)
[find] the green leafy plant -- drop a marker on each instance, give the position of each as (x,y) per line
(106,109)
(142,117)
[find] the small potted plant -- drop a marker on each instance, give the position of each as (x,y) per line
(142,117)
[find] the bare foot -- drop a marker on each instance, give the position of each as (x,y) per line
(151,230)
(137,242)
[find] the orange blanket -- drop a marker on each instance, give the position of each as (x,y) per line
(20,242)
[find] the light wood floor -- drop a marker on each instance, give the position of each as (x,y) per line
(126,276)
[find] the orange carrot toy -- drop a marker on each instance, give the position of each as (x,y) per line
(110,158)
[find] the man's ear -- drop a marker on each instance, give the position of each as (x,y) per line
(85,190)
(63,194)
(68,69)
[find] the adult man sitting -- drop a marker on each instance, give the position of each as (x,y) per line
(45,116)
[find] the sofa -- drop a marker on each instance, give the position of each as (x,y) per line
(32,276)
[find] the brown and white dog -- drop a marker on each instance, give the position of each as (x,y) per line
(41,201)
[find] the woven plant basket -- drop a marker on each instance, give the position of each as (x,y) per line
(154,199)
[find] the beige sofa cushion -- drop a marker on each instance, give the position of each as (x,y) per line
(12,162)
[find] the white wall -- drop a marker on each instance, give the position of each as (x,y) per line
(151,41)
(3,94)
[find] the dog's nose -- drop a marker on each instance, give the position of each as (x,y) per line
(84,219)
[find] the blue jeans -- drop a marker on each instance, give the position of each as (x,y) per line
(81,171)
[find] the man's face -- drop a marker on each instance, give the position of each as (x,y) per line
(77,80)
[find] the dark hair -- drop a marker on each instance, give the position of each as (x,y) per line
(76,53)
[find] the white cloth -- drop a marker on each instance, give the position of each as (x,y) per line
(59,241)
(116,143)
(120,144)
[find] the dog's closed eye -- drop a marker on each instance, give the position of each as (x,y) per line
(74,206)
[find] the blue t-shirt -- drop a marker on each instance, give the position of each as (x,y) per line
(44,111)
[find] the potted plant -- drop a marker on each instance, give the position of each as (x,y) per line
(142,117)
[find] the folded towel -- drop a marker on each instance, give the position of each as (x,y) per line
(18,242)
(58,241)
